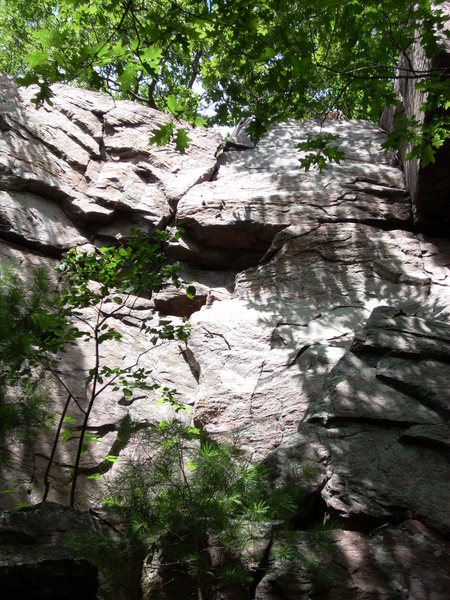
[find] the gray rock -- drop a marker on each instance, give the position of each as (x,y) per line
(320,331)
(38,561)
(408,561)
(92,155)
(381,416)
(258,192)
(30,220)
(428,185)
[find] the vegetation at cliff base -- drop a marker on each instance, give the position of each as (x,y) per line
(198,516)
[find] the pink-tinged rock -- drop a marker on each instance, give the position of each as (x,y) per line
(257,192)
(383,424)
(128,128)
(300,311)
(119,186)
(73,152)
(28,219)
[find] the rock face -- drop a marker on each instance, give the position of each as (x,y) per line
(429,186)
(320,331)
(35,560)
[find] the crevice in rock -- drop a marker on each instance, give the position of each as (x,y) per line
(215,172)
(384,225)
(4,125)
(146,176)
(371,354)
(370,524)
(104,156)
(426,442)
(263,567)
(191,361)
(219,259)
(311,512)
(330,421)
(33,246)
(416,392)
(302,350)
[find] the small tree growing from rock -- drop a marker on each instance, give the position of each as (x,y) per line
(95,285)
(197,515)
(27,322)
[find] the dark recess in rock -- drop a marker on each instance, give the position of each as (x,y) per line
(49,580)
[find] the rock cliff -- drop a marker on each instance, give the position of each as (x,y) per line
(320,329)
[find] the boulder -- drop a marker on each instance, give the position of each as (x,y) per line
(37,560)
(257,192)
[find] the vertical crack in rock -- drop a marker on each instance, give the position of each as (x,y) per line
(263,566)
(189,357)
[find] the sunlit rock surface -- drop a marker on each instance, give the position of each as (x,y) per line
(320,330)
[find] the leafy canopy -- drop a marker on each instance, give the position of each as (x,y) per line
(270,59)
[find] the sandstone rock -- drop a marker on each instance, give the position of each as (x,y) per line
(374,432)
(390,330)
(300,310)
(257,192)
(408,561)
(120,186)
(92,156)
(128,128)
(209,287)
(31,220)
(188,250)
(320,331)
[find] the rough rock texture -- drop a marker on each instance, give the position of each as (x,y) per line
(89,156)
(320,330)
(399,562)
(36,561)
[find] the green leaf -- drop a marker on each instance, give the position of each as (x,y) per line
(66,435)
(162,134)
(174,105)
(427,155)
(182,140)
(190,292)
(111,458)
(36,58)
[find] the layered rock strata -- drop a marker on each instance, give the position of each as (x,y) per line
(320,332)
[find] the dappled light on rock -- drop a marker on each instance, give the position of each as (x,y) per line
(319,344)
